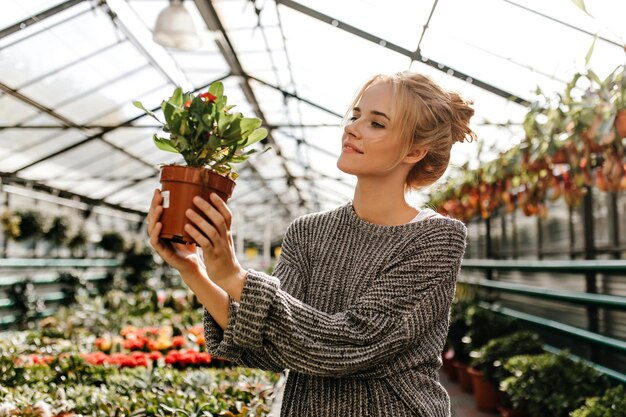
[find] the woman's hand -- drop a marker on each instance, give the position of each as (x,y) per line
(184,258)
(217,245)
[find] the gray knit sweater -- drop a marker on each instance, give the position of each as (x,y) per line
(357,312)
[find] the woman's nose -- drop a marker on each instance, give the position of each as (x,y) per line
(352,129)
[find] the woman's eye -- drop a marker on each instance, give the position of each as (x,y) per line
(353,118)
(378,125)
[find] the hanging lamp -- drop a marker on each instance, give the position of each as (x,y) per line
(176,29)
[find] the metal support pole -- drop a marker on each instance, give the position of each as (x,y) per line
(590,277)
(613,220)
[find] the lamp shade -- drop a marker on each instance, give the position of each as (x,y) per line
(175,28)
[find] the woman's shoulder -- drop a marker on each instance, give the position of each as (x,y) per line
(319,217)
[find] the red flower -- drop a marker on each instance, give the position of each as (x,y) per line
(187,103)
(155,355)
(208,96)
(178,341)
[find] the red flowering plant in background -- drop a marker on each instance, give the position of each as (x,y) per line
(203,130)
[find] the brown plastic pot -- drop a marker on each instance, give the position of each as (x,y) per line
(179,185)
(464,379)
(485,391)
(507,412)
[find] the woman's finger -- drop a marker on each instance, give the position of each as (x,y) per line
(197,236)
(221,206)
(217,221)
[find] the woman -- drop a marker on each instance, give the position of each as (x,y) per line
(357,307)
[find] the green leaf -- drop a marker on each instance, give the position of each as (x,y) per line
(164,144)
(229,107)
(214,141)
(148,112)
(183,145)
(257,135)
(590,51)
(593,76)
(581,5)
(177,97)
(217,89)
(224,121)
(169,111)
(184,127)
(248,124)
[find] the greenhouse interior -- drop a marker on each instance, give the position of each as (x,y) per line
(102,102)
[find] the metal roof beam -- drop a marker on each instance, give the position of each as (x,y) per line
(414,55)
(38,17)
(10,178)
(545,16)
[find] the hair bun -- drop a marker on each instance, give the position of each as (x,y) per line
(462,112)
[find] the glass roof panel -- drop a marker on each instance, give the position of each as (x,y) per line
(16,11)
(330,71)
(86,76)
(13,110)
(547,50)
(109,98)
(381,19)
(55,47)
(605,18)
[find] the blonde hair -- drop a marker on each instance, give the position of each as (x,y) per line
(425,116)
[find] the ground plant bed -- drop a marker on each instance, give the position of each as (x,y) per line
(138,355)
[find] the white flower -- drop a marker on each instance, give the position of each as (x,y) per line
(43,409)
(7,409)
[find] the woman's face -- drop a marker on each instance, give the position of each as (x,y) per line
(369,145)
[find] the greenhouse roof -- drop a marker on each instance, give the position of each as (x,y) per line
(70,70)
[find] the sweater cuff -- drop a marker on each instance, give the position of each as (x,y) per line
(257,296)
(220,343)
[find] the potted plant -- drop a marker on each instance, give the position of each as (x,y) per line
(57,232)
(549,385)
(483,325)
(78,242)
(113,242)
(611,404)
(456,330)
(486,368)
(210,139)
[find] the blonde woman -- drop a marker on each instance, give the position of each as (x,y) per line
(357,307)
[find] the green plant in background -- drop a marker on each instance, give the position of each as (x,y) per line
(26,302)
(71,285)
(484,325)
(113,242)
(77,243)
(611,404)
(490,357)
(203,130)
(10,224)
(139,266)
(31,225)
(57,232)
(458,328)
(550,385)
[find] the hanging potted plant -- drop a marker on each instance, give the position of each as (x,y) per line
(210,138)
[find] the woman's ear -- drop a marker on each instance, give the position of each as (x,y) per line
(415,156)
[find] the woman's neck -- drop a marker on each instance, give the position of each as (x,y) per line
(382,203)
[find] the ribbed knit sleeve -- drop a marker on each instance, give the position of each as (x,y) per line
(409,296)
(220,343)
